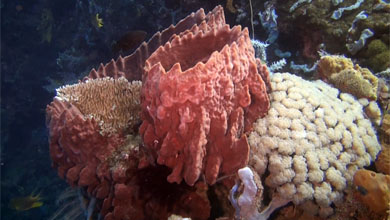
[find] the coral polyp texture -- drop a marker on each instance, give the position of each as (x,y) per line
(113,103)
(201,93)
(311,143)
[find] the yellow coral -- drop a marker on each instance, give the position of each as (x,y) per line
(329,65)
(373,189)
(355,80)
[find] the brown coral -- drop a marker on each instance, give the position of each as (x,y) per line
(382,162)
(374,189)
(385,128)
(201,92)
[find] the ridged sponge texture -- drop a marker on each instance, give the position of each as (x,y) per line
(200,95)
(312,141)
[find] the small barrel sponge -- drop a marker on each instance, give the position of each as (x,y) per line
(350,78)
(312,141)
(373,189)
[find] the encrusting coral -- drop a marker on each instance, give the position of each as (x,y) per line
(350,78)
(201,92)
(373,189)
(311,143)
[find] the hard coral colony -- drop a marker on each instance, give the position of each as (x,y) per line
(130,145)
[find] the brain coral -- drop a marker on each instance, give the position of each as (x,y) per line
(201,92)
(312,141)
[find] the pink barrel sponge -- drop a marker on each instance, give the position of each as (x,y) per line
(201,93)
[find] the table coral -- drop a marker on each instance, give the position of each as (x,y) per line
(201,92)
(311,143)
(344,75)
(374,189)
(113,115)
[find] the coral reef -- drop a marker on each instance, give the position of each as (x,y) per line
(202,89)
(94,144)
(201,92)
(333,25)
(311,143)
(344,75)
(374,189)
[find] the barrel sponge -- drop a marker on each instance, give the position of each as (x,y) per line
(311,142)
(373,189)
(201,93)
(113,103)
(350,78)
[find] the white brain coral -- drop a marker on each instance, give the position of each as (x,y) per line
(312,141)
